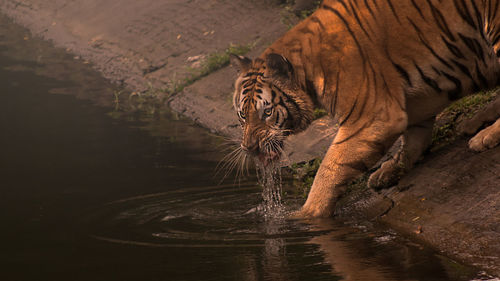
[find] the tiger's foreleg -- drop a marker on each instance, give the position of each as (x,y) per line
(352,153)
(416,140)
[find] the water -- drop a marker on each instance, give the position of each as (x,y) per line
(271,182)
(85,196)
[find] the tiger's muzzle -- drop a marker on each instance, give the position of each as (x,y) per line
(267,152)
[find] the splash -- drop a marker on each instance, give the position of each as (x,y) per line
(270,180)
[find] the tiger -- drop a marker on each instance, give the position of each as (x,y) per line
(383,69)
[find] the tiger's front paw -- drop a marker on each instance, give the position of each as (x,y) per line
(387,175)
(486,138)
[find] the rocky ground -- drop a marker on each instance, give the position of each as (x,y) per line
(450,200)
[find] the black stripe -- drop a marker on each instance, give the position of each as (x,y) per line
(366,124)
(249,83)
(289,116)
(346,24)
(419,32)
(453,49)
(374,75)
(358,165)
(438,72)
(463,68)
(253,73)
(316,20)
(455,93)
(277,119)
(466,71)
(473,45)
(418,9)
(402,72)
(349,114)
(463,11)
(244,100)
(335,94)
(442,60)
(361,108)
(393,10)
(344,5)
(359,22)
(479,21)
(289,99)
(306,30)
(494,9)
(369,9)
(441,22)
(496,38)
(429,81)
(424,41)
(490,18)
(483,81)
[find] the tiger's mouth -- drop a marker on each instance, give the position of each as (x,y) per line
(270,153)
(265,153)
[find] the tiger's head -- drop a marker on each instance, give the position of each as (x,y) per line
(270,105)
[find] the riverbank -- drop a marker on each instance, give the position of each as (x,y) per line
(450,200)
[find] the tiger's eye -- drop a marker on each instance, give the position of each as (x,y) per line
(242,114)
(268,111)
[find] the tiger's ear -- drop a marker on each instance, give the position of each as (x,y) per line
(279,65)
(242,63)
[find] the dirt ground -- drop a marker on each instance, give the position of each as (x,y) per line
(450,200)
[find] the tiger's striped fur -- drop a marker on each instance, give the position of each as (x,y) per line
(383,68)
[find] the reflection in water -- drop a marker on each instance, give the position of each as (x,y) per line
(347,261)
(85,196)
(274,260)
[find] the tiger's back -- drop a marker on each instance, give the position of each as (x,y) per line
(419,47)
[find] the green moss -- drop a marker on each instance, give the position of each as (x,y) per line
(445,130)
(212,63)
(469,105)
(288,18)
(291,16)
(318,113)
(116,99)
(150,102)
(305,13)
(146,104)
(359,183)
(457,271)
(303,176)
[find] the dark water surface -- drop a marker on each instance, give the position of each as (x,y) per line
(84,196)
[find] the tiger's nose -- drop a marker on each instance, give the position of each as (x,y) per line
(250,148)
